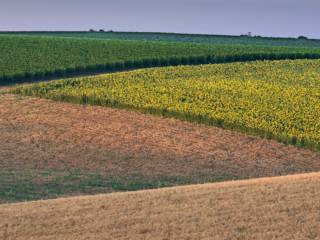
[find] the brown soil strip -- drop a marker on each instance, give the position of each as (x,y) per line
(43,133)
(275,208)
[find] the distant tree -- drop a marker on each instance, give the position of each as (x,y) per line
(101,30)
(249,34)
(92,30)
(302,37)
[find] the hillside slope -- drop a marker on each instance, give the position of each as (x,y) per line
(53,149)
(271,208)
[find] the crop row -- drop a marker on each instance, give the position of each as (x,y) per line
(273,99)
(26,58)
(147,63)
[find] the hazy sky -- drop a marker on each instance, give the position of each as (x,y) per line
(261,17)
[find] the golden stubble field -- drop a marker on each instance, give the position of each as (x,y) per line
(270,208)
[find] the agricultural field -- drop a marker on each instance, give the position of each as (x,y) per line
(189,38)
(54,149)
(270,208)
(30,58)
(278,99)
(117,112)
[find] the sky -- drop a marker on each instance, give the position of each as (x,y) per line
(283,18)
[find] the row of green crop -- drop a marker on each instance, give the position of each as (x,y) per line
(147,63)
(29,58)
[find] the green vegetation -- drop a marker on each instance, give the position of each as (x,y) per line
(29,58)
(274,99)
(191,38)
(34,184)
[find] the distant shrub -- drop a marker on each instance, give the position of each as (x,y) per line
(302,37)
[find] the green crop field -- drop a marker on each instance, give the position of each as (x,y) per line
(274,99)
(192,38)
(28,58)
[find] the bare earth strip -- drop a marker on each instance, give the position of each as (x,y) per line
(42,134)
(271,208)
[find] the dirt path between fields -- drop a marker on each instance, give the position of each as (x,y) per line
(43,133)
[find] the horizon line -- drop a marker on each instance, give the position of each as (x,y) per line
(151,32)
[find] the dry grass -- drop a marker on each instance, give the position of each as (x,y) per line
(270,208)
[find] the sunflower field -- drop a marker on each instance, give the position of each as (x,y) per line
(272,99)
